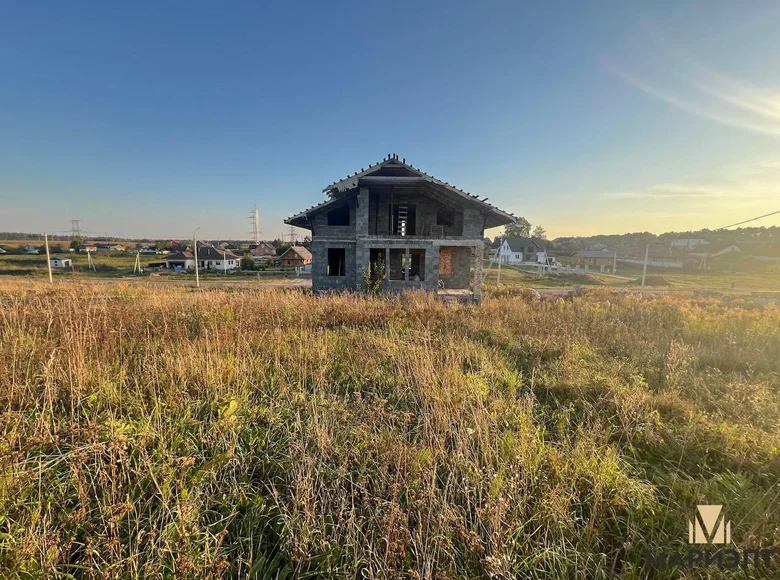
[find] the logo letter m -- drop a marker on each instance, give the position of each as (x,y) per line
(709,526)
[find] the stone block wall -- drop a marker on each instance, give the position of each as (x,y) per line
(319,270)
(321,229)
(473,224)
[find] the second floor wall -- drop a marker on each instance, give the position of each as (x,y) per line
(395,214)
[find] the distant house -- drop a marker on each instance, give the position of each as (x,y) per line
(519,249)
(148,250)
(28,249)
(2,251)
(57,262)
(110,247)
(724,255)
(262,250)
(595,258)
(723,249)
(84,249)
(211,258)
(295,256)
(184,260)
(688,243)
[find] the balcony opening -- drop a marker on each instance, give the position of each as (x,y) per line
(404,219)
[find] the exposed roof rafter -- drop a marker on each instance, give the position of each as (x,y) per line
(350,182)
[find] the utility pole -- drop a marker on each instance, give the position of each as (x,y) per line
(644,269)
(195,248)
(498,275)
(614,263)
(48,257)
(137,264)
(224,260)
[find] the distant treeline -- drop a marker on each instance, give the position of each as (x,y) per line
(766,235)
(570,244)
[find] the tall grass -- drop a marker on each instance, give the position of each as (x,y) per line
(160,432)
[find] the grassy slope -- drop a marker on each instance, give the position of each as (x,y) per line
(679,280)
(160,431)
(117,265)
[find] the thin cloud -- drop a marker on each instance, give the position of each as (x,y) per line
(667,72)
(733,185)
(701,109)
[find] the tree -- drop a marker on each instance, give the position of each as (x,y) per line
(373,277)
(248,262)
(520,228)
(540,232)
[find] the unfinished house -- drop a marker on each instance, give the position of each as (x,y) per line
(392,218)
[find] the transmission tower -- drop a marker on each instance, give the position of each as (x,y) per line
(75,229)
(293,235)
(254,217)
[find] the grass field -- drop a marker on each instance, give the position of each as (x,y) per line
(683,280)
(116,265)
(162,432)
(119,265)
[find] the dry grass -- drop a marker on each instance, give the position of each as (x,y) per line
(161,432)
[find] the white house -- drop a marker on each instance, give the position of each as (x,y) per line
(28,249)
(688,242)
(211,258)
(518,249)
(110,248)
(57,262)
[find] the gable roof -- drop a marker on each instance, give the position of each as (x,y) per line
(180,256)
(300,250)
(392,170)
(520,243)
(720,248)
(268,245)
(212,253)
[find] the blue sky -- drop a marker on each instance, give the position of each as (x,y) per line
(153,118)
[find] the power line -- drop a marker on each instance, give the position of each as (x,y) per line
(750,220)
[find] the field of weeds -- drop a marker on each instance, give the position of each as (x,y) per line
(161,432)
